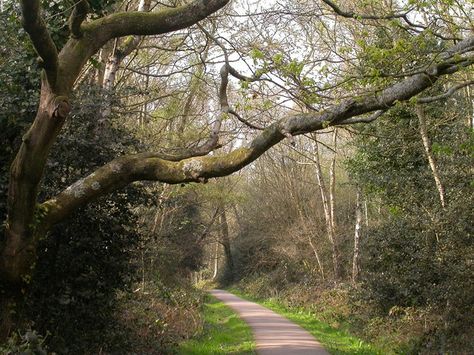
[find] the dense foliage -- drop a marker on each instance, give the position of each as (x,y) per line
(418,253)
(18,94)
(81,296)
(413,292)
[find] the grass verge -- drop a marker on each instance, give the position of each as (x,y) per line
(336,341)
(223,333)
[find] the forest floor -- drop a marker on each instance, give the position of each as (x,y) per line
(274,334)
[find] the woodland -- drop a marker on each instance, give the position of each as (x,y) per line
(316,152)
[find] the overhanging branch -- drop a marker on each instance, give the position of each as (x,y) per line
(152,23)
(150,166)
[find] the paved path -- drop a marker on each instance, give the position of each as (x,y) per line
(274,334)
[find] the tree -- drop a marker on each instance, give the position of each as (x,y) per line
(62,62)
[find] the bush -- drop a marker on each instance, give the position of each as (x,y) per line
(29,343)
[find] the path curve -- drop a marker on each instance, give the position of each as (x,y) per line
(274,335)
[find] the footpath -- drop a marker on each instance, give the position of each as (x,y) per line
(274,334)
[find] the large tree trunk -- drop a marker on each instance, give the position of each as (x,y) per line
(26,223)
(9,298)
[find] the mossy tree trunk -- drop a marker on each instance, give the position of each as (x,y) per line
(28,220)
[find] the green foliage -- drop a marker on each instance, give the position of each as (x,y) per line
(223,332)
(155,318)
(84,261)
(416,255)
(28,343)
(336,339)
(257,54)
(19,92)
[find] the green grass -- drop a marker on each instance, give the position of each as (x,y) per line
(336,341)
(224,333)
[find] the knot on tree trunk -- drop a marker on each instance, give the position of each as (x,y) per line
(60,107)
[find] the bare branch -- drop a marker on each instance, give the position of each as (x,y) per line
(35,26)
(244,121)
(350,14)
(366,119)
(225,71)
(78,16)
(239,76)
(447,94)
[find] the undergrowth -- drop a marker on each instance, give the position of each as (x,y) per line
(338,319)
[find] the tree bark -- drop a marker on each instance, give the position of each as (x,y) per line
(332,202)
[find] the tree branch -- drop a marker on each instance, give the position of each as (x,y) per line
(149,166)
(97,33)
(350,14)
(367,119)
(35,26)
(78,16)
(447,94)
(153,23)
(224,73)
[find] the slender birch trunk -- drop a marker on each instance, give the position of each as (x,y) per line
(332,184)
(310,241)
(160,212)
(118,54)
(366,212)
(328,206)
(358,226)
(429,155)
(216,261)
(316,254)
